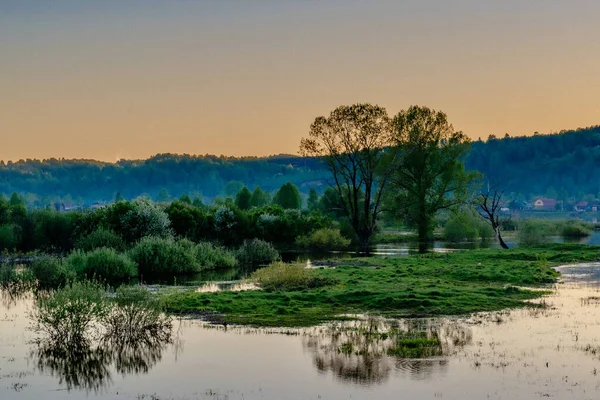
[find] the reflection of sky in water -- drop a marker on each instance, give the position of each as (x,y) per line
(521,354)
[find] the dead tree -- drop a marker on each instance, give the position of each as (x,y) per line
(489,206)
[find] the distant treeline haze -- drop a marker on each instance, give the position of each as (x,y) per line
(557,165)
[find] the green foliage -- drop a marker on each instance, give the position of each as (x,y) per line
(4,210)
(8,237)
(323,239)
(416,345)
(465,225)
(53,230)
(209,256)
(242,199)
(136,313)
(69,315)
(188,221)
(533,232)
(15,278)
(156,256)
(51,272)
(259,198)
(429,174)
(417,286)
(279,276)
(575,229)
(312,203)
(351,143)
(288,197)
(100,238)
(256,252)
(144,219)
(102,264)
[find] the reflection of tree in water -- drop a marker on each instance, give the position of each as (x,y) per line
(88,364)
(366,352)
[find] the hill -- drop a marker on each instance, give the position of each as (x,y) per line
(562,164)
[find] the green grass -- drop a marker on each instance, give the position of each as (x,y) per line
(417,286)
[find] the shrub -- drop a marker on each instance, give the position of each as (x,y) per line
(209,256)
(159,256)
(53,230)
(136,315)
(145,219)
(51,272)
(282,276)
(8,238)
(15,278)
(103,264)
(466,225)
(69,315)
(533,232)
(256,252)
(575,229)
(101,238)
(323,239)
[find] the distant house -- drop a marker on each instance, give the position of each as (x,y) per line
(581,206)
(545,204)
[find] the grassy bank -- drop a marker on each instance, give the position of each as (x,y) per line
(417,286)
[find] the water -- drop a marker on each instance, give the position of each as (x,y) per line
(520,354)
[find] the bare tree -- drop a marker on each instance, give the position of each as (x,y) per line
(489,206)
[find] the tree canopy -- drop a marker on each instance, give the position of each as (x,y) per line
(428,172)
(351,142)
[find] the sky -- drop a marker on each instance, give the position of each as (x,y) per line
(117,79)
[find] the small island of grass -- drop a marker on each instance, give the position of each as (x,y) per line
(417,286)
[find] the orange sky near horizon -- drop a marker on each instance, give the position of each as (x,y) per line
(110,80)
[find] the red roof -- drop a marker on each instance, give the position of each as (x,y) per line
(547,202)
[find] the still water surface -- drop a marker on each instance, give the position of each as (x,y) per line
(521,354)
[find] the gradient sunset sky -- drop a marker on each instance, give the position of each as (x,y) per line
(129,79)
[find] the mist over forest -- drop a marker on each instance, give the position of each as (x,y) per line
(561,165)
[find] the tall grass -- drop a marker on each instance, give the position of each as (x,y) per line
(281,276)
(323,239)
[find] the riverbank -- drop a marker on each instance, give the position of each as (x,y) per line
(417,286)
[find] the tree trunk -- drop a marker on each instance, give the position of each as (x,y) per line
(499,238)
(364,239)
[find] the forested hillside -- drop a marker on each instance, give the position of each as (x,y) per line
(207,176)
(564,164)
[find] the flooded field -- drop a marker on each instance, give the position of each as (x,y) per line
(552,352)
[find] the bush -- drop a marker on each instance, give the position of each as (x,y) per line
(103,264)
(68,315)
(209,256)
(323,239)
(159,256)
(53,230)
(145,219)
(282,276)
(533,232)
(51,272)
(15,278)
(8,239)
(575,229)
(466,225)
(136,315)
(101,238)
(256,252)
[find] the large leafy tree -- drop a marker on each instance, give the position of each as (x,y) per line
(288,197)
(242,199)
(429,174)
(352,143)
